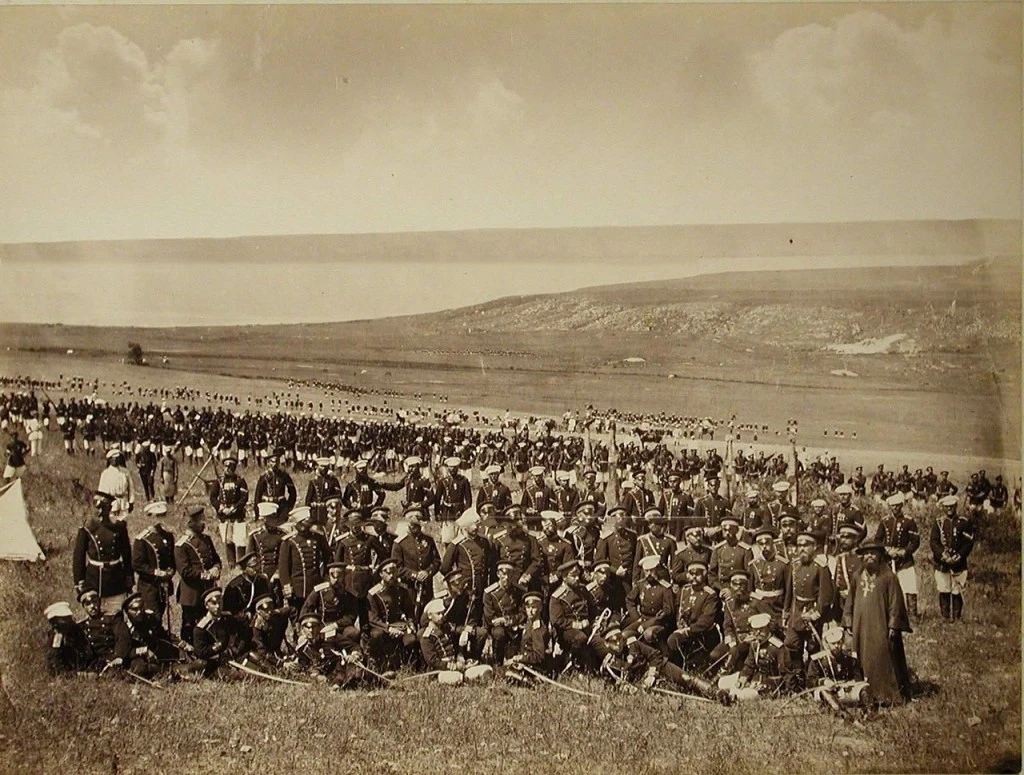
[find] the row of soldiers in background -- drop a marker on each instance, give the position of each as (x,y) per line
(596,594)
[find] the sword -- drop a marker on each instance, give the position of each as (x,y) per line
(671,693)
(545,679)
(146,681)
(258,674)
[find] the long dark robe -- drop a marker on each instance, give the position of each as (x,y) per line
(875,606)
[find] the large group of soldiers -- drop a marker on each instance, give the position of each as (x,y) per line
(530,574)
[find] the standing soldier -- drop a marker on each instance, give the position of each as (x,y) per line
(752,514)
(728,556)
(275,486)
(585,535)
(710,509)
(228,496)
(265,543)
(494,491)
(302,559)
(697,612)
(592,491)
(98,628)
(676,504)
(537,497)
(166,475)
(117,482)
(362,554)
(153,561)
(452,497)
(951,541)
(809,598)
(619,550)
(515,546)
(692,550)
(781,506)
(899,535)
(638,499)
(364,492)
(102,559)
(418,493)
(198,567)
(567,497)
(557,551)
(322,486)
(845,564)
(654,543)
(418,560)
(242,592)
(767,571)
(474,556)
(845,512)
(145,462)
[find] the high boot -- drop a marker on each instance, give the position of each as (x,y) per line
(944,605)
(958,607)
(911,605)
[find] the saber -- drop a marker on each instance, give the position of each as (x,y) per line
(365,669)
(418,676)
(671,693)
(563,687)
(258,674)
(146,681)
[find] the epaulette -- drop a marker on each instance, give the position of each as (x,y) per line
(257,531)
(560,592)
(323,585)
(819,655)
(330,630)
(744,545)
(710,590)
(500,534)
(144,533)
(492,588)
(181,541)
(775,641)
(537,625)
(376,589)
(821,560)
(205,622)
(719,544)
(593,586)
(664,583)
(460,540)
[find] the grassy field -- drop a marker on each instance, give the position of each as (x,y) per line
(966,717)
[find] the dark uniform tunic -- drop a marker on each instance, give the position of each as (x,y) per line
(193,554)
(768,581)
(619,551)
(899,533)
(103,559)
(676,506)
(265,542)
(302,562)
(154,550)
(557,551)
(697,611)
(275,487)
(650,604)
(437,645)
(507,603)
(523,552)
(228,496)
(726,559)
(99,635)
(319,490)
(415,554)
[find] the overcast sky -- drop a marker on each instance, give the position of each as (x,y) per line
(172,121)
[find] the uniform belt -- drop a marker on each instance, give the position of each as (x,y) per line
(805,599)
(773,593)
(103,563)
(358,567)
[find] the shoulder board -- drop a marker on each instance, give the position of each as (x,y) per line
(664,584)
(718,545)
(205,622)
(288,536)
(821,560)
(819,655)
(149,530)
(376,589)
(330,630)
(323,585)
(537,625)
(492,588)
(181,541)
(742,544)
(499,534)
(460,540)
(560,592)
(258,531)
(593,586)
(775,641)
(710,590)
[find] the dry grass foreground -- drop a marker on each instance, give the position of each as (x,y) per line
(967,716)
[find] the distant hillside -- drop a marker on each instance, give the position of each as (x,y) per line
(937,308)
(968,238)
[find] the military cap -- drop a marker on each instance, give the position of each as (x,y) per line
(515,511)
(506,566)
(565,567)
(533,596)
(57,611)
(382,512)
(128,600)
(309,618)
(104,496)
(211,592)
(739,574)
(231,461)
(114,453)
(156,509)
(323,461)
(361,464)
(454,575)
(806,535)
(730,521)
(675,473)
(844,489)
(353,515)
(589,472)
(340,565)
(388,563)
(266,509)
(787,518)
(818,503)
(896,500)
(694,529)
(653,513)
(762,531)
(627,485)
(949,500)
(413,461)
(452,462)
(870,546)
(759,621)
(752,493)
(265,598)
(435,606)
(650,562)
(617,511)
(850,528)
(492,469)
(245,559)
(300,514)
(87,593)
(468,519)
(697,564)
(196,516)
(537,471)
(944,473)
(781,486)
(146,444)
(334,497)
(601,566)
(833,635)
(551,515)
(614,632)
(587,504)
(414,514)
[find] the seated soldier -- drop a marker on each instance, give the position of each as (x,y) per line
(698,610)
(535,647)
(141,643)
(651,605)
(68,651)
(729,655)
(268,628)
(767,660)
(219,637)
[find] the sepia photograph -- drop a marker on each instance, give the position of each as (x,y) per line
(498,388)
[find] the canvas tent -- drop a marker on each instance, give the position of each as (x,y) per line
(16,539)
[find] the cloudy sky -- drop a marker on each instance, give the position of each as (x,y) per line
(174,121)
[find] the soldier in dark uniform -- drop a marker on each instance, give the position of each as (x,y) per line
(709,509)
(153,561)
(676,504)
(944,487)
(767,571)
(302,559)
(219,637)
(141,643)
(392,635)
(557,551)
(653,544)
(515,546)
(858,482)
(145,462)
(819,524)
(379,517)
(503,612)
(693,549)
(752,514)
(781,506)
(453,496)
(438,640)
(265,543)
(68,650)
(951,541)
(650,605)
(608,592)
(198,565)
(102,558)
(418,560)
(535,645)
(737,633)
(809,598)
(537,497)
(619,550)
(333,604)
(844,564)
(698,609)
(98,629)
(592,491)
(638,499)
(242,592)
(899,535)
(494,491)
(268,629)
(566,497)
(844,512)
(361,553)
(322,486)
(727,557)
(475,557)
(418,493)
(571,612)
(275,486)
(584,535)
(998,496)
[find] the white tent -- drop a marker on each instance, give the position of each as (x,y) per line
(16,539)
